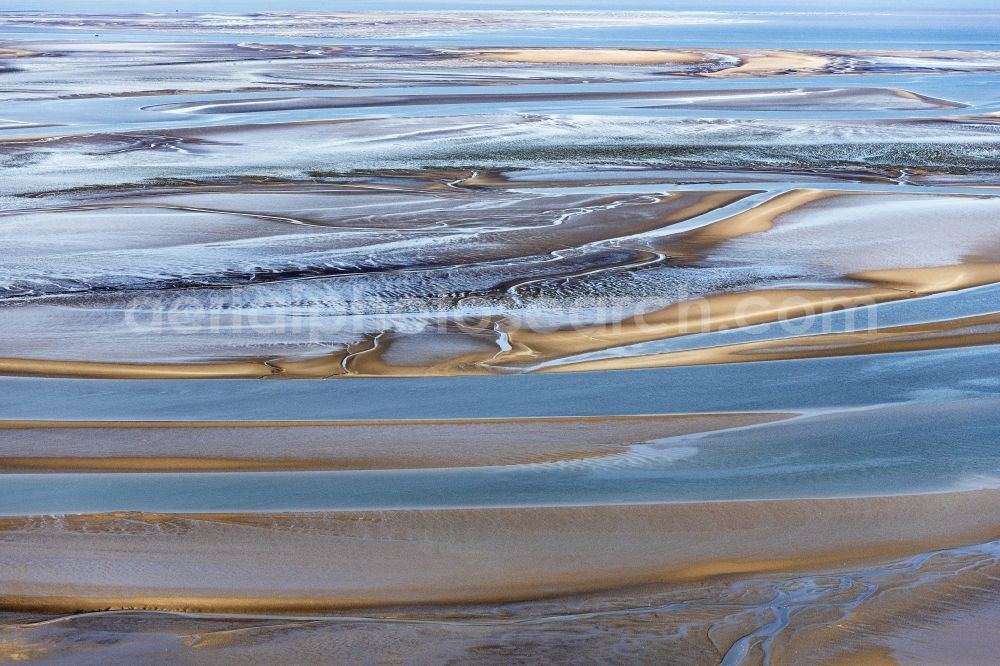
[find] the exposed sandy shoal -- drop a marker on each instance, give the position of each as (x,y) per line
(945,334)
(950,598)
(324,561)
(608,220)
(530,348)
(944,615)
(803,228)
(775,62)
(220,446)
(250,369)
(758,219)
(596,56)
(7,52)
(718,312)
(714,313)
(955,629)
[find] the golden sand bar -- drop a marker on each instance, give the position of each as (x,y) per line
(767,63)
(597,56)
(770,63)
(748,308)
(948,334)
(7,52)
(324,561)
(714,313)
(127,446)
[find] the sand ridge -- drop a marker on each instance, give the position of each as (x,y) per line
(53,446)
(771,63)
(312,562)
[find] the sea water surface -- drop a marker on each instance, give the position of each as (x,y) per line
(775,23)
(863,426)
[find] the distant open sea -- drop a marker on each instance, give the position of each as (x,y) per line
(841,25)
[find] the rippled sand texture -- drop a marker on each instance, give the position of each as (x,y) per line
(928,609)
(411,278)
(301,563)
(849,609)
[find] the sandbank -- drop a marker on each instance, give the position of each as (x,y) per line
(310,563)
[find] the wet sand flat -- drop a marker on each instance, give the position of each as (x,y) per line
(803,99)
(828,614)
(32,446)
(521,295)
(313,562)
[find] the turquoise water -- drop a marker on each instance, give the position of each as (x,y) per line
(889,424)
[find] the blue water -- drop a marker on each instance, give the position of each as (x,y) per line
(928,431)
(913,447)
(804,24)
(768,386)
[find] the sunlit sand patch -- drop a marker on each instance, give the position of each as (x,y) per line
(718,312)
(597,56)
(759,219)
(742,62)
(323,561)
(219,446)
(596,176)
(13,52)
(713,313)
(964,332)
(101,370)
(771,63)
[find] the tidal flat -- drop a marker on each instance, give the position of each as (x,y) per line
(492,336)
